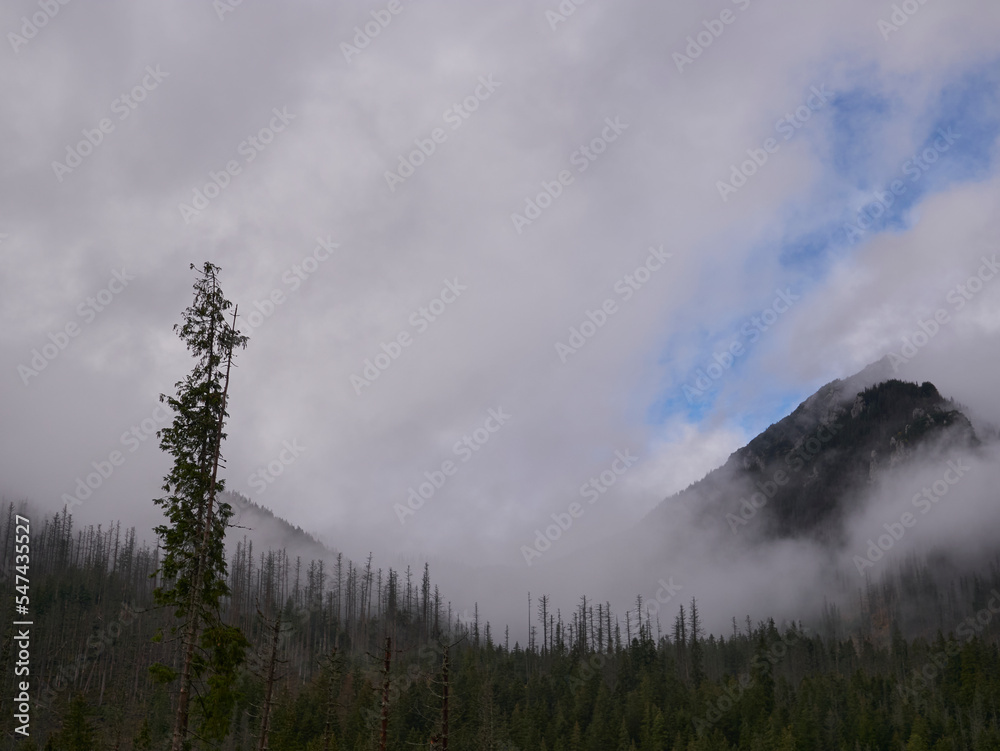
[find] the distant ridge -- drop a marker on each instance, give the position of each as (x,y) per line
(814,462)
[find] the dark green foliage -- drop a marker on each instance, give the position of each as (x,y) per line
(225,647)
(143,740)
(193,542)
(193,563)
(77,734)
(161,673)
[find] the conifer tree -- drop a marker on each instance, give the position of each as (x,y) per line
(143,740)
(77,733)
(193,566)
(697,662)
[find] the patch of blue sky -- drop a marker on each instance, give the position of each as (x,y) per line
(692,390)
(856,118)
(957,139)
(970,106)
(957,144)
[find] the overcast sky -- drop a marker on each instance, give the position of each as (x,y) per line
(416,204)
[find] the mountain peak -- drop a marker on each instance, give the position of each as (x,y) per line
(836,442)
(816,462)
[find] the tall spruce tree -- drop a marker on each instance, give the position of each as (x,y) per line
(193,566)
(77,734)
(695,652)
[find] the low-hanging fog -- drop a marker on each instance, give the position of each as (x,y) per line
(735,569)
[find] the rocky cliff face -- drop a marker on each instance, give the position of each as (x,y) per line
(805,472)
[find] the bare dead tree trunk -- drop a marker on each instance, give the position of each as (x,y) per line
(328,725)
(181,722)
(387,664)
(444,703)
(265,720)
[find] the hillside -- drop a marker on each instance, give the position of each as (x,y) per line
(809,468)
